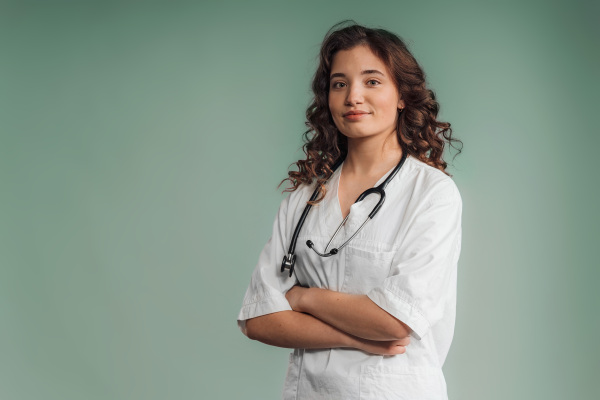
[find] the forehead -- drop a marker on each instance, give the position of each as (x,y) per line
(356,59)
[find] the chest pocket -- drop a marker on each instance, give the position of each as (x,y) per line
(366,268)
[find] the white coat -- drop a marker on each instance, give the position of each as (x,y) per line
(405,260)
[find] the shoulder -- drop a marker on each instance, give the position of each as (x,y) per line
(430,184)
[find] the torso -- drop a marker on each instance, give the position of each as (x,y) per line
(382,249)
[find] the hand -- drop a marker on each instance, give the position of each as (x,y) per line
(294,297)
(385,348)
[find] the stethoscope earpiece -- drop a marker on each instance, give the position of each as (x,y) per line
(332,252)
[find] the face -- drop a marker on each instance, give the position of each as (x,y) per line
(360,81)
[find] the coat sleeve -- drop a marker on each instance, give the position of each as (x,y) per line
(422,279)
(266,292)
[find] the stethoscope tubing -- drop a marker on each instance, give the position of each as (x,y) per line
(314,196)
(289,260)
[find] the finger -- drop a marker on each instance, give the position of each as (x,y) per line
(404,341)
(399,350)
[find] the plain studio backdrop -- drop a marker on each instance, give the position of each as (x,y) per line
(142,143)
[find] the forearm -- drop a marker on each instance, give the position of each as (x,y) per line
(295,330)
(354,314)
(291,329)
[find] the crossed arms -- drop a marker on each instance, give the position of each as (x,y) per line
(322,318)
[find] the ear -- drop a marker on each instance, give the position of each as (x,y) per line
(401,104)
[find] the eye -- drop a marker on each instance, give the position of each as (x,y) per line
(373,80)
(333,85)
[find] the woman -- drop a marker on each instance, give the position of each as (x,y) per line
(351,311)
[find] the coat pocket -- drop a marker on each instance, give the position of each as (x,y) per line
(402,383)
(366,269)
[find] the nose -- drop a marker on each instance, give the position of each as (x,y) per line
(354,95)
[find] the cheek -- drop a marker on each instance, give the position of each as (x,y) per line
(335,108)
(333,102)
(332,110)
(389,106)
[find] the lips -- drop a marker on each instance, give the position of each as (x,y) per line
(355,112)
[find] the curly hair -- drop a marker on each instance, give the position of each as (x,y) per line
(418,131)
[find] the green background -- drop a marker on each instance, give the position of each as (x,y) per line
(142,143)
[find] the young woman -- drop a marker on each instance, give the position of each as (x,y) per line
(369,310)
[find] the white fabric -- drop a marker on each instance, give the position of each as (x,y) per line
(405,260)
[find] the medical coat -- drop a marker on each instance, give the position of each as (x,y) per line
(404,259)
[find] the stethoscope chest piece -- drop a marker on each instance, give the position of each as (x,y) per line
(288,263)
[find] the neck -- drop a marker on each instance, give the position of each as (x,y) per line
(367,156)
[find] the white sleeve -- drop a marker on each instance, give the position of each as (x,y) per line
(423,276)
(268,285)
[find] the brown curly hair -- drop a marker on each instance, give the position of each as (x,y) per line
(419,133)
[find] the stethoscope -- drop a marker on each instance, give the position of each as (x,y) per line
(289,260)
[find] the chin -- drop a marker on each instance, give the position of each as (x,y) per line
(358,135)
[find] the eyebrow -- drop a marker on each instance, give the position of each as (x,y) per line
(365,72)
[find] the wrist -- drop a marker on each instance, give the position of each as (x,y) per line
(304,300)
(351,341)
